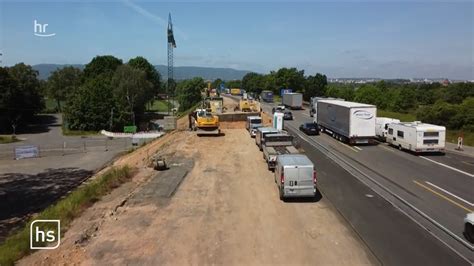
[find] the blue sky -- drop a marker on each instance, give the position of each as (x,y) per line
(387,39)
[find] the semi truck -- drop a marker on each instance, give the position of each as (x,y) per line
(235,91)
(275,145)
(267,96)
(347,121)
(417,136)
(313,102)
(381,126)
(293,100)
(295,176)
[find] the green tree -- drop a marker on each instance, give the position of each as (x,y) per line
(62,83)
(233,84)
(189,93)
(315,86)
(130,87)
(253,82)
(152,75)
(103,65)
(91,106)
(368,94)
(20,96)
(216,84)
(290,78)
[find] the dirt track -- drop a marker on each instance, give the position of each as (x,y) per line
(226,211)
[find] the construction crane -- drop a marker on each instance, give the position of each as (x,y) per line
(171,46)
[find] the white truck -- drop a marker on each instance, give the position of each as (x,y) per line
(381,126)
(261,132)
(275,145)
(417,137)
(292,100)
(295,176)
(347,121)
(313,102)
(253,122)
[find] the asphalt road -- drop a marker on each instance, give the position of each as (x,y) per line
(395,199)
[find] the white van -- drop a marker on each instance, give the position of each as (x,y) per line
(253,122)
(295,176)
(381,126)
(417,136)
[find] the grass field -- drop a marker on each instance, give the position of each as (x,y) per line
(401,116)
(18,245)
(68,132)
(452,136)
(8,139)
(160,106)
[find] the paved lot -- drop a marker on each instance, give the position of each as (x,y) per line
(30,185)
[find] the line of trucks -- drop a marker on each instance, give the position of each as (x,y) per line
(356,123)
(294,173)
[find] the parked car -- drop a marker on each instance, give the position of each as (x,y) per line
(287,115)
(469,227)
(310,128)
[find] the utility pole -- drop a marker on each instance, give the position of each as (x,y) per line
(111,118)
(171,45)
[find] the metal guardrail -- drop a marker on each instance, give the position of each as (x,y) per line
(351,169)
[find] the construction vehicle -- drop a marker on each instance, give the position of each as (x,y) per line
(216,104)
(236,91)
(206,123)
(247,105)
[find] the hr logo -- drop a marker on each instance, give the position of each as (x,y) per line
(40,29)
(43,233)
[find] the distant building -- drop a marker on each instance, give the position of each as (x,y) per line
(445,82)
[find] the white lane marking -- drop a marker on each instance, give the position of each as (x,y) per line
(357,148)
(449,193)
(447,166)
(348,146)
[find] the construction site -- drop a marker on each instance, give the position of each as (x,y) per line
(215,204)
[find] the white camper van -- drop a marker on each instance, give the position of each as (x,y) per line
(417,136)
(381,126)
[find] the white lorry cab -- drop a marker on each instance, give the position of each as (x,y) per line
(295,176)
(253,122)
(417,136)
(381,126)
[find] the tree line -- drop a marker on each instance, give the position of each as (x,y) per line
(451,105)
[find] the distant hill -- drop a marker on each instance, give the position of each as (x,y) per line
(180,72)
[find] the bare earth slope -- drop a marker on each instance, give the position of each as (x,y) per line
(225,211)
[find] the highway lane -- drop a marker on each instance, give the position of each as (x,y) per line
(389,230)
(441,193)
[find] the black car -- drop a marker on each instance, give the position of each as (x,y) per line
(310,128)
(287,115)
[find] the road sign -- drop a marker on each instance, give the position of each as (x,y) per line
(130,129)
(23,152)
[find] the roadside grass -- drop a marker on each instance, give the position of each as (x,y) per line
(17,245)
(401,116)
(452,136)
(8,139)
(160,106)
(69,132)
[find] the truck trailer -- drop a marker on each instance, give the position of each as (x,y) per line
(267,96)
(275,145)
(417,136)
(293,100)
(313,102)
(347,121)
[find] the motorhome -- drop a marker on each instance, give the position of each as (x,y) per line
(417,136)
(381,126)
